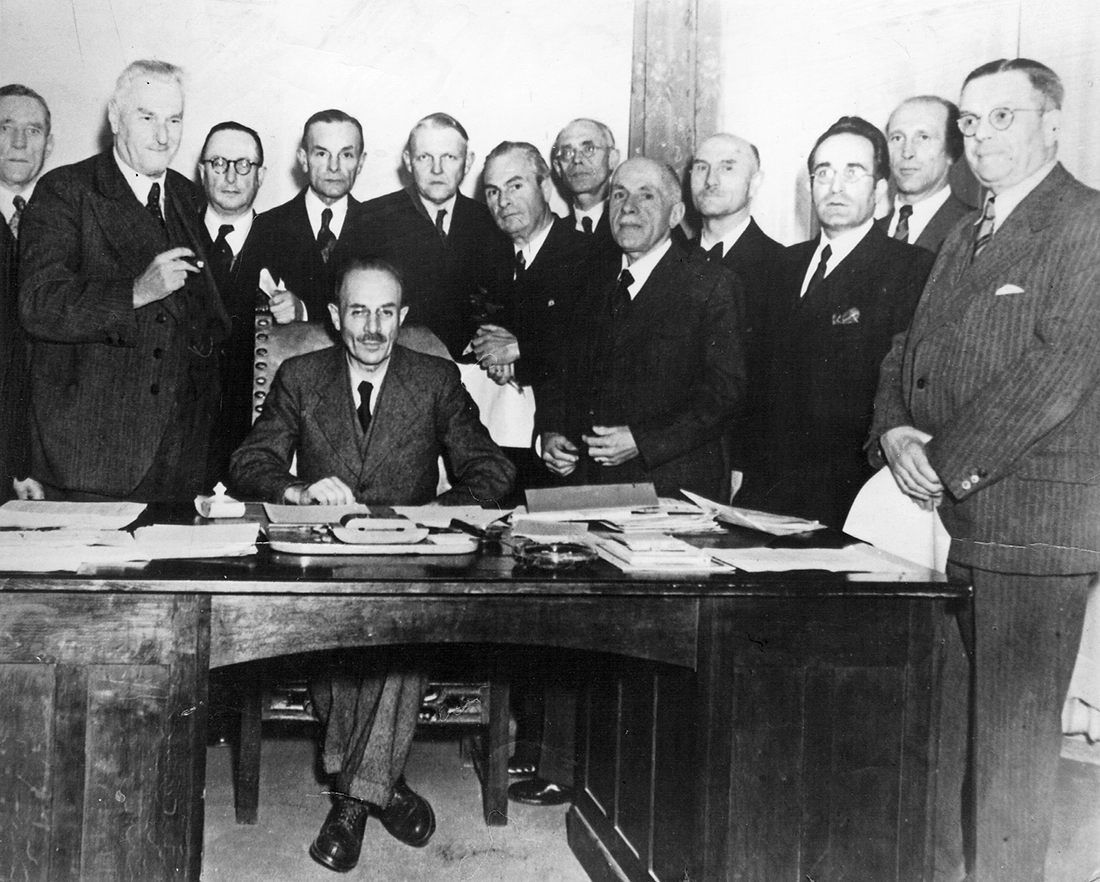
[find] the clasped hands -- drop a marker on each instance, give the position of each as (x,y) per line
(607,445)
(904,449)
(327,491)
(497,351)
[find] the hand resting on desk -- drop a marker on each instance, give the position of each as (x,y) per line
(327,491)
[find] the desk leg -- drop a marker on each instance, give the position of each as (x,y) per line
(102,742)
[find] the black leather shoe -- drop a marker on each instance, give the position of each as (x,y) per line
(338,844)
(539,791)
(409,817)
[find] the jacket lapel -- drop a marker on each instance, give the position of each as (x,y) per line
(333,411)
(956,280)
(195,233)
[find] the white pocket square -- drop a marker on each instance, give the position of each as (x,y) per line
(1008,289)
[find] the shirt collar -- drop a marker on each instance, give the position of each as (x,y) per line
(315,207)
(531,250)
(728,240)
(595,212)
(841,247)
(357,375)
(434,210)
(641,269)
(140,184)
(923,212)
(241,226)
(1008,199)
(7,197)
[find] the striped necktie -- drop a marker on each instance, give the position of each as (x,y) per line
(985,228)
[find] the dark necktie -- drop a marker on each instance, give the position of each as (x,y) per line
(439,228)
(152,204)
(586,224)
(902,231)
(222,256)
(363,410)
(716,253)
(326,239)
(819,273)
(985,228)
(620,298)
(521,264)
(20,203)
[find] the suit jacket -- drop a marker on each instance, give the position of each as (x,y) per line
(422,411)
(240,297)
(285,244)
(671,368)
(752,259)
(936,230)
(542,300)
(603,243)
(14,453)
(108,380)
(449,285)
(826,349)
(1001,366)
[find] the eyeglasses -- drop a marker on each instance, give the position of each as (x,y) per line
(999,117)
(220,164)
(826,174)
(587,150)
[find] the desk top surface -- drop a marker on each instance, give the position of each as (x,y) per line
(491,571)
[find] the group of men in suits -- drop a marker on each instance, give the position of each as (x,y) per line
(706,364)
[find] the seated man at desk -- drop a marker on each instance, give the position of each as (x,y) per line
(368,421)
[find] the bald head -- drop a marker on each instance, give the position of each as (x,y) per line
(725,175)
(645,205)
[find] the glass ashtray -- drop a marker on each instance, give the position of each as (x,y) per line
(554,555)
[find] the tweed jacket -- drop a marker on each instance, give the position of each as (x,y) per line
(422,412)
(106,378)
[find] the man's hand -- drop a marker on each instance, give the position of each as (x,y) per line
(494,345)
(611,445)
(27,488)
(327,491)
(286,307)
(559,453)
(167,273)
(502,374)
(903,447)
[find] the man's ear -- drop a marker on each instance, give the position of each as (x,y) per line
(470,155)
(547,188)
(401,315)
(613,158)
(407,159)
(676,215)
(754,183)
(334,314)
(260,172)
(112,116)
(49,147)
(1052,122)
(303,160)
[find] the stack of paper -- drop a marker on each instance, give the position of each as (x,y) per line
(204,540)
(654,552)
(42,514)
(853,559)
(776,525)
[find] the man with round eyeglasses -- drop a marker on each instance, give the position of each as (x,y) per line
(231,170)
(584,156)
(989,409)
(835,303)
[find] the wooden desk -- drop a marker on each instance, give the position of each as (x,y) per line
(765,727)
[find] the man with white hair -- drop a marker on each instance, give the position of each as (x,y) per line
(124,317)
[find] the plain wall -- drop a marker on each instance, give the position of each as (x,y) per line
(506,69)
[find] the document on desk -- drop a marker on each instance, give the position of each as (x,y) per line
(442,515)
(42,514)
(170,541)
(765,522)
(311,514)
(853,559)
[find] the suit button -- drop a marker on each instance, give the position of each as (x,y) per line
(921,383)
(974,479)
(155,388)
(158,353)
(161,318)
(966,485)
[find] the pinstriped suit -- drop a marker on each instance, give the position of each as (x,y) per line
(1001,365)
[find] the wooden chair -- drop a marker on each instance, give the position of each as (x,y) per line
(483,704)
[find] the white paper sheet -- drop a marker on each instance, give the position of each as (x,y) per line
(42,514)
(888,519)
(853,559)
